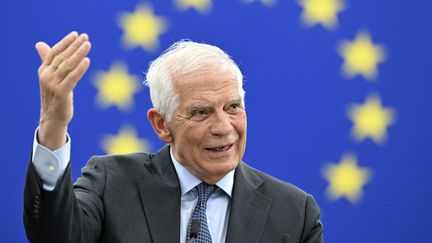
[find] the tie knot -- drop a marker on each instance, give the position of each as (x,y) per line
(205,191)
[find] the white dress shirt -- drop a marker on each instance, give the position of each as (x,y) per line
(218,204)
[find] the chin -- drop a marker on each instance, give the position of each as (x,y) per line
(223,167)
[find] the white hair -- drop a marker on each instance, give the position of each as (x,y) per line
(184,57)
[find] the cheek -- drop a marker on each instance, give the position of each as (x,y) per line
(193,135)
(241,125)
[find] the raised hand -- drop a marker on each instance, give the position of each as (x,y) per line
(62,67)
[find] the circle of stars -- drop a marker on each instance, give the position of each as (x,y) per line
(361,57)
(370,119)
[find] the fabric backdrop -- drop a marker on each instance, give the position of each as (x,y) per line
(339,97)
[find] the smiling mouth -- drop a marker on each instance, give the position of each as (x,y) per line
(220,149)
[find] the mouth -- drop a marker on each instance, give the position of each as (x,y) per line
(220,148)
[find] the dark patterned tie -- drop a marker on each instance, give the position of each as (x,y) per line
(204,192)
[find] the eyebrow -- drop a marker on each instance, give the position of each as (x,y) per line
(236,100)
(204,105)
(200,105)
(196,106)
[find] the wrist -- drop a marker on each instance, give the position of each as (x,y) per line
(52,136)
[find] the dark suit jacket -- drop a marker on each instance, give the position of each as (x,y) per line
(136,198)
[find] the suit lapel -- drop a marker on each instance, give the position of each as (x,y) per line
(249,208)
(160,198)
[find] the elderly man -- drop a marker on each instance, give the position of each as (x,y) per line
(195,189)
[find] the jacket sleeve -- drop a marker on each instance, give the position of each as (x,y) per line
(313,230)
(68,213)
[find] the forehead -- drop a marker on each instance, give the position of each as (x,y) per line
(207,85)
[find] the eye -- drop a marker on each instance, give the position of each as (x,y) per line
(199,113)
(233,108)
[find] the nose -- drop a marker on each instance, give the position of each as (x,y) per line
(220,124)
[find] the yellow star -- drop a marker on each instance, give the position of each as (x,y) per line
(361,56)
(142,28)
(322,12)
(370,119)
(346,179)
(126,141)
(116,87)
(202,6)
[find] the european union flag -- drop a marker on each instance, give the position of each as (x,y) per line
(339,97)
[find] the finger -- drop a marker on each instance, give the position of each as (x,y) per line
(71,80)
(72,62)
(70,50)
(74,46)
(42,49)
(60,46)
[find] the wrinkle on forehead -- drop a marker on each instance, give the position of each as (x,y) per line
(207,96)
(205,82)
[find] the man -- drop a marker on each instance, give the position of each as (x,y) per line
(195,189)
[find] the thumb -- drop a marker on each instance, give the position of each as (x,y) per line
(42,49)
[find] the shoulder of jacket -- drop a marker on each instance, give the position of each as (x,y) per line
(278,187)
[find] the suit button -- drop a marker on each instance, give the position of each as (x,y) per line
(36,212)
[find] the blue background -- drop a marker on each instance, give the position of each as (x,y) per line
(296,100)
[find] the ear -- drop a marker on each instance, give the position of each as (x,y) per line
(159,125)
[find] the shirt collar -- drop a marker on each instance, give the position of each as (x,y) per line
(189,181)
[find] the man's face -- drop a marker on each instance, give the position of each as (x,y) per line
(209,126)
